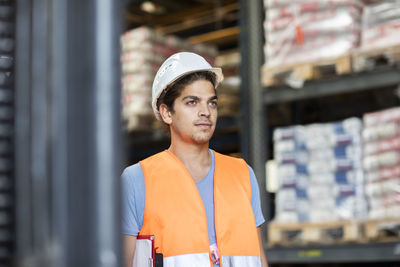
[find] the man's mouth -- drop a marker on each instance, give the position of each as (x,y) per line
(203,124)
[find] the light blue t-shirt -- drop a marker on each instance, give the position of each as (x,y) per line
(133,189)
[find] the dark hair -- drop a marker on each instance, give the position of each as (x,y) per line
(174,90)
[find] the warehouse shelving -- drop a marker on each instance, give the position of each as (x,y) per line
(382,77)
(356,82)
(256,101)
(373,252)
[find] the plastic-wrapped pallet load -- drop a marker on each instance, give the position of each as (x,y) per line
(380,42)
(381,25)
(320,172)
(143,51)
(309,30)
(381,137)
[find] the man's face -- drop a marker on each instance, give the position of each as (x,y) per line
(195,113)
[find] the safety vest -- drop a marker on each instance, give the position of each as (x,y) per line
(174,213)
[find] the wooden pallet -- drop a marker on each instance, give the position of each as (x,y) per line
(307,71)
(382,230)
(317,233)
(372,58)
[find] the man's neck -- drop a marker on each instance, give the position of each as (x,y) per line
(191,153)
(195,157)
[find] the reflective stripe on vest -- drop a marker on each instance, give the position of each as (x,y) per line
(239,261)
(192,260)
(175,215)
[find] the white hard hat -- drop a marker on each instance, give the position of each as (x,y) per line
(176,66)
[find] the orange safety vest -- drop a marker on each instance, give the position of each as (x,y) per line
(174,213)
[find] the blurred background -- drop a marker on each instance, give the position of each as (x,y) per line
(310,99)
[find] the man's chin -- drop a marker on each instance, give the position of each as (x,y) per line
(202,139)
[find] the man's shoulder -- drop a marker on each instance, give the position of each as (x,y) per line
(228,158)
(231,164)
(154,157)
(133,170)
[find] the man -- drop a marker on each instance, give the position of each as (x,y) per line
(202,207)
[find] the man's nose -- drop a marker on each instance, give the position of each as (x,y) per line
(204,110)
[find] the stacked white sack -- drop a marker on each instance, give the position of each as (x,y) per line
(320,172)
(310,30)
(381,25)
(143,51)
(381,137)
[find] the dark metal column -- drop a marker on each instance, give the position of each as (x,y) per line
(93,132)
(68,152)
(7,211)
(107,110)
(254,116)
(59,145)
(32,133)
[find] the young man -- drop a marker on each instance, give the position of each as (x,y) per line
(202,207)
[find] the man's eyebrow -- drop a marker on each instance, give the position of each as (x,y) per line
(191,97)
(198,98)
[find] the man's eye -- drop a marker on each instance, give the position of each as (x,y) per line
(214,103)
(191,102)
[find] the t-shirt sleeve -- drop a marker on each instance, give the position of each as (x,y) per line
(255,199)
(133,198)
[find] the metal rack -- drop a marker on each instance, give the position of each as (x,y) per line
(7,113)
(255,102)
(382,77)
(356,253)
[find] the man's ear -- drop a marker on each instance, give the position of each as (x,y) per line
(165,114)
